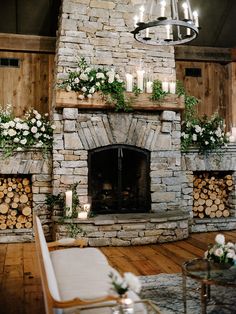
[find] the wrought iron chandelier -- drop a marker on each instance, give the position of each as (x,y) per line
(166,22)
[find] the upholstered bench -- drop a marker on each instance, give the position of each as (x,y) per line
(74,277)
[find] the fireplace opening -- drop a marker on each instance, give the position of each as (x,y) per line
(119,179)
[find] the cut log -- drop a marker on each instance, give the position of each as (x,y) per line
(26,211)
(23,199)
(3,226)
(219,213)
(226,213)
(4,208)
(28,225)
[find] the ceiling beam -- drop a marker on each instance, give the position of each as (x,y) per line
(27,43)
(211,54)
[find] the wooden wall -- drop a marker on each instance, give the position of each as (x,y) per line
(211,88)
(30,84)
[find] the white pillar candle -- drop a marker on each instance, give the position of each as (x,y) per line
(165,86)
(233,132)
(87,207)
(68,203)
(141,10)
(149,87)
(188,31)
(232,138)
(167,31)
(129,82)
(140,74)
(195,18)
(185,7)
(82,215)
(172,87)
(163,8)
(147,32)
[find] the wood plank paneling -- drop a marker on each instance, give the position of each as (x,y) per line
(211,88)
(30,84)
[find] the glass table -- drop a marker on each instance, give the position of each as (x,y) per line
(208,274)
(139,307)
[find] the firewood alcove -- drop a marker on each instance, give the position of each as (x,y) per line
(211,194)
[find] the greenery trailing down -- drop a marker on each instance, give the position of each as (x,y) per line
(18,134)
(136,90)
(157,91)
(205,133)
(87,81)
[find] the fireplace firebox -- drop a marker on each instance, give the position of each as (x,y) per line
(119,179)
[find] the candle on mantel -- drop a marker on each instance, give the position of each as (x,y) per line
(83,215)
(68,203)
(233,134)
(168,32)
(147,32)
(172,87)
(163,8)
(135,20)
(149,85)
(188,31)
(140,76)
(165,86)
(185,7)
(129,82)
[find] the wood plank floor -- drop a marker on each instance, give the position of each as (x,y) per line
(20,287)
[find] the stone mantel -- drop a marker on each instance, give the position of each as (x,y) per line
(66,99)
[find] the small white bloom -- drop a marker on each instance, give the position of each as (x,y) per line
(25,133)
(11,132)
(219,252)
(68,88)
(194,137)
(84,89)
(24,141)
(19,149)
(92,90)
(132,282)
(198,129)
(89,96)
(206,142)
(100,75)
(84,77)
(16,140)
(38,116)
(18,126)
(33,120)
(81,96)
(11,124)
(42,129)
(39,123)
(17,120)
(76,80)
(98,84)
(34,129)
(37,135)
(220,239)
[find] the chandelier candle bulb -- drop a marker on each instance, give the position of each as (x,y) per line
(172,87)
(68,203)
(83,215)
(129,82)
(163,8)
(195,18)
(135,20)
(140,75)
(141,14)
(149,87)
(147,32)
(188,31)
(185,7)
(165,86)
(168,32)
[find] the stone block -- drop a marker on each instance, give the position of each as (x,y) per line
(99,242)
(109,5)
(168,115)
(72,141)
(69,126)
(70,113)
(166,127)
(160,197)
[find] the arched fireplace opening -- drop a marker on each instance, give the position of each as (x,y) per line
(119,180)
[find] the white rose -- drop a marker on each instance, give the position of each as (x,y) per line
(18,126)
(17,120)
(220,239)
(132,282)
(81,96)
(219,252)
(68,88)
(53,126)
(11,124)
(42,129)
(33,120)
(38,116)
(24,141)
(89,96)
(92,90)
(98,84)
(37,135)
(194,137)
(25,133)
(84,77)
(16,140)
(11,132)
(34,129)
(39,123)
(198,129)
(84,89)
(19,149)
(231,254)
(6,125)
(76,80)
(100,75)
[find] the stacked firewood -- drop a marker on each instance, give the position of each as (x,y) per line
(15,203)
(210,194)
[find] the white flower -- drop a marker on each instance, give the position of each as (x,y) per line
(219,252)
(132,282)
(37,135)
(34,129)
(92,90)
(98,84)
(39,123)
(16,140)
(220,239)
(11,132)
(38,116)
(33,120)
(231,254)
(81,96)
(42,129)
(111,76)
(18,126)
(25,133)
(19,149)
(84,77)
(17,120)
(6,125)
(89,96)
(68,88)
(194,137)
(100,75)
(84,89)
(198,129)
(24,141)
(76,80)
(87,70)
(206,142)
(11,124)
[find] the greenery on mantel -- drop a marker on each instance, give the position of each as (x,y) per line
(207,134)
(87,81)
(19,134)
(157,91)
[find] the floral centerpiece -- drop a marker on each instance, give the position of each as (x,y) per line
(121,285)
(87,81)
(221,252)
(17,134)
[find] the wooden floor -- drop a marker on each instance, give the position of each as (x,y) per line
(21,293)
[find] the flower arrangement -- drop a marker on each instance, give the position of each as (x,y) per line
(87,81)
(122,285)
(17,134)
(221,252)
(205,133)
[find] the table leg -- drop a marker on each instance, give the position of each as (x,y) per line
(184,291)
(204,296)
